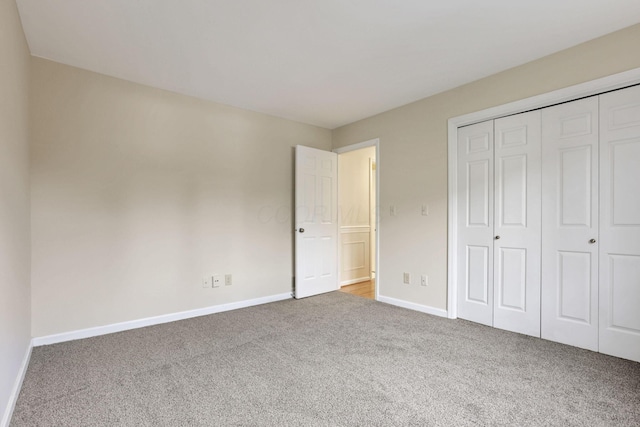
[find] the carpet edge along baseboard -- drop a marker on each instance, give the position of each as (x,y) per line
(154,320)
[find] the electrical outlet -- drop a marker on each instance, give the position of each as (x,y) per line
(206,282)
(217,280)
(425,209)
(407,278)
(228,280)
(424,280)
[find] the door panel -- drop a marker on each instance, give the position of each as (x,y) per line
(624,271)
(620,223)
(575,186)
(316,217)
(624,155)
(512,280)
(513,197)
(475,228)
(574,286)
(517,224)
(477,289)
(478,181)
(570,220)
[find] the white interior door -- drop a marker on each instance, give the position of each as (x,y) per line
(517,213)
(620,223)
(475,223)
(316,222)
(570,223)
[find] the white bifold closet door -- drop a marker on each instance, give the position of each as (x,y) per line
(620,223)
(517,210)
(570,223)
(475,223)
(499,223)
(548,223)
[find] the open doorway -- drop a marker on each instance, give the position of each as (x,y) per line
(357,232)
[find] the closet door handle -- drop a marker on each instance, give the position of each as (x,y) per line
(592,241)
(497,237)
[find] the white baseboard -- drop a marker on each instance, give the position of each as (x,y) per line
(156,320)
(353,281)
(17,385)
(412,306)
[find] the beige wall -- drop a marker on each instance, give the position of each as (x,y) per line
(15,313)
(137,193)
(413,155)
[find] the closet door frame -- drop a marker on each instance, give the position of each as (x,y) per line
(571,93)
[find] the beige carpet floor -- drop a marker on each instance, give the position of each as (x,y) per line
(330,360)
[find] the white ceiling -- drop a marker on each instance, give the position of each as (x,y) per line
(324,62)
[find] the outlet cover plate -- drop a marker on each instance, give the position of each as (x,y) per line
(217,281)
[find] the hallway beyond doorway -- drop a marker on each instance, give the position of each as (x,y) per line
(365,289)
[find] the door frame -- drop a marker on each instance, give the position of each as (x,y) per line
(353,147)
(571,93)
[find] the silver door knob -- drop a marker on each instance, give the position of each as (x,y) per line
(497,237)
(301,230)
(592,241)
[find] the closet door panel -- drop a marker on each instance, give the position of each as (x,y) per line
(475,223)
(620,223)
(570,221)
(517,224)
